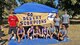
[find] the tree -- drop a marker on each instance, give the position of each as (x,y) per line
(50,3)
(1,10)
(73,9)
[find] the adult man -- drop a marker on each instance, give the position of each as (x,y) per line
(65,20)
(12,21)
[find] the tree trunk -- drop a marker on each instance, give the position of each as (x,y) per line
(1,11)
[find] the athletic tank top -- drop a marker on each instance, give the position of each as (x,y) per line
(38,31)
(31,29)
(20,31)
(57,21)
(44,30)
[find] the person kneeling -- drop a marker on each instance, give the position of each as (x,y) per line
(30,32)
(62,33)
(20,33)
(52,31)
(37,32)
(45,32)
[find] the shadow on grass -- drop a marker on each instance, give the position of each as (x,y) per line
(74,22)
(3,41)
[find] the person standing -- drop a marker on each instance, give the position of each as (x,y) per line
(65,20)
(57,23)
(12,21)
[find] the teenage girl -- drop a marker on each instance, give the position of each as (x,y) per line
(30,32)
(45,32)
(37,32)
(20,33)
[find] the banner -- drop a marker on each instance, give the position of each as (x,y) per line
(33,19)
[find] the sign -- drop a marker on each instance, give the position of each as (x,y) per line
(51,16)
(33,19)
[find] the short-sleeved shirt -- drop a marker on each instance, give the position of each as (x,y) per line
(52,29)
(65,19)
(57,21)
(63,32)
(12,21)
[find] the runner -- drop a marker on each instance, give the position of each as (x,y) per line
(52,31)
(20,33)
(37,32)
(45,32)
(30,32)
(57,23)
(62,33)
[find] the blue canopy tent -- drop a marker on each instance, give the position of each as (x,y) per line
(34,7)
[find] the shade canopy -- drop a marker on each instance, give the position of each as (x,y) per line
(34,7)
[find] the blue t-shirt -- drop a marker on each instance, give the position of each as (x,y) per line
(52,29)
(57,21)
(63,32)
(65,18)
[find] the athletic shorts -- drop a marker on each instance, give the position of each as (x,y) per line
(12,29)
(20,35)
(57,28)
(66,25)
(31,34)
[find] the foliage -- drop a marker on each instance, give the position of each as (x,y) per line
(72,6)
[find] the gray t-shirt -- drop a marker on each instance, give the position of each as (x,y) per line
(65,18)
(63,32)
(52,29)
(57,21)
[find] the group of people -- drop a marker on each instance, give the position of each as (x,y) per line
(57,30)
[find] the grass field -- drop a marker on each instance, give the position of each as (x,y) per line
(73,33)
